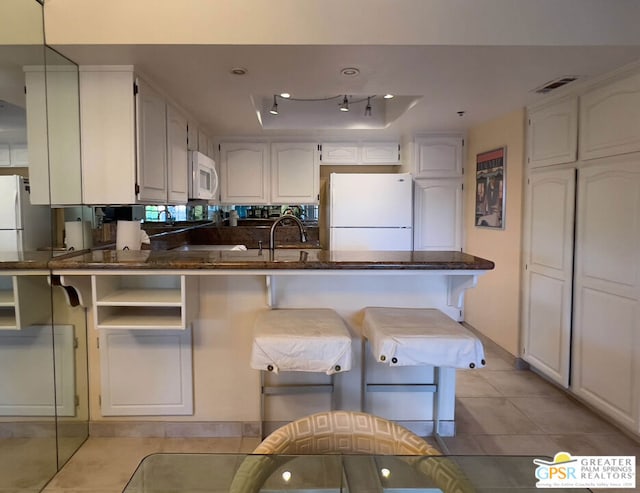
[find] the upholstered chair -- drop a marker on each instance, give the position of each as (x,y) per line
(346,432)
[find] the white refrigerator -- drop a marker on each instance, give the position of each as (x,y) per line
(23,227)
(370,211)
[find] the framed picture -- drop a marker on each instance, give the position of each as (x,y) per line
(490,188)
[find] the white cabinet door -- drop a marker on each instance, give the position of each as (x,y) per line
(192,136)
(152,144)
(547,283)
(606,328)
(19,155)
(438,214)
(146,372)
(552,133)
(177,157)
(610,118)
(380,153)
(341,153)
(295,173)
(438,156)
(5,155)
(108,126)
(203,143)
(244,173)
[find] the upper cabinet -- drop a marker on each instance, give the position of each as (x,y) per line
(133,141)
(610,118)
(53,135)
(437,214)
(360,153)
(263,173)
(244,173)
(177,157)
(552,133)
(295,173)
(438,156)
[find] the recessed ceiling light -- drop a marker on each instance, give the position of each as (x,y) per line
(388,96)
(239,71)
(285,95)
(350,71)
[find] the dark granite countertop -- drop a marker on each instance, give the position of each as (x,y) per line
(298,259)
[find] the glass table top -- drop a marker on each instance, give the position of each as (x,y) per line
(243,473)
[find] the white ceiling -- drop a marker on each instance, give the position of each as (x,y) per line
(483,81)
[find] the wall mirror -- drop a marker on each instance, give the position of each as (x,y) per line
(43,365)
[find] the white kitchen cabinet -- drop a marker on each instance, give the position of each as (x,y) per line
(14,155)
(203,143)
(151,113)
(53,135)
(295,173)
(552,133)
(17,310)
(360,153)
(340,153)
(144,302)
(610,118)
(437,214)
(19,155)
(380,153)
(177,157)
(244,172)
(5,155)
(146,372)
(548,274)
(606,325)
(438,156)
(192,136)
(124,137)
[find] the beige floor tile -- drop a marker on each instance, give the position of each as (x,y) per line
(519,383)
(496,360)
(463,445)
(492,416)
(201,445)
(598,444)
(249,444)
(517,445)
(472,384)
(560,414)
(26,463)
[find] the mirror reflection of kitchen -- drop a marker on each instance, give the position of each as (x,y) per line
(43,374)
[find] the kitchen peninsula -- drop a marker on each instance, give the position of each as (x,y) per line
(175,329)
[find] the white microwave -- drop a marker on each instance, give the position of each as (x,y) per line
(204,177)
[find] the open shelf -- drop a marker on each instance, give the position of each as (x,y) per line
(139,301)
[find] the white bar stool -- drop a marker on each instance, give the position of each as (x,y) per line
(418,337)
(299,340)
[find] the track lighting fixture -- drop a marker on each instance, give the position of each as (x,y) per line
(345,104)
(274,108)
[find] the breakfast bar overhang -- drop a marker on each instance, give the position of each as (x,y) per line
(219,294)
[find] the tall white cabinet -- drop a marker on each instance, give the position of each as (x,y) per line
(438,189)
(581,305)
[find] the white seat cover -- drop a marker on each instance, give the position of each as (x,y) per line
(420,336)
(313,340)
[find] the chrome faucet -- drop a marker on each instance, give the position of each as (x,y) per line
(168,217)
(303,233)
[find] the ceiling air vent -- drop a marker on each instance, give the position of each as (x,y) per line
(554,84)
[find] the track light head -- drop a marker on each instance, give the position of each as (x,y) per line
(274,108)
(367,110)
(345,104)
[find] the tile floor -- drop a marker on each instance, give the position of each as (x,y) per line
(500,410)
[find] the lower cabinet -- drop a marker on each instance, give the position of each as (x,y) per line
(606,324)
(145,372)
(144,322)
(437,214)
(547,279)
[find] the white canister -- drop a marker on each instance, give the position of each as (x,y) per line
(128,235)
(233,218)
(77,235)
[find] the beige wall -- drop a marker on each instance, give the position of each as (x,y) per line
(494,306)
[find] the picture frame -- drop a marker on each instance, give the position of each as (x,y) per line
(491,188)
